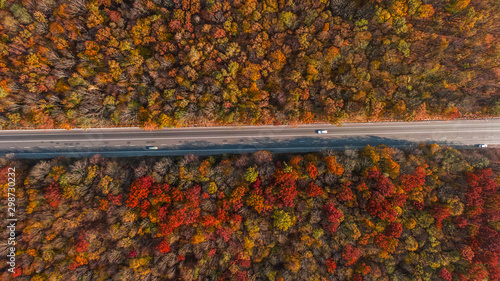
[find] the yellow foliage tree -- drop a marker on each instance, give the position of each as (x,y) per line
(371,153)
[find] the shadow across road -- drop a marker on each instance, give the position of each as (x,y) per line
(248,145)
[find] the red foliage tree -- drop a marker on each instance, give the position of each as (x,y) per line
(445,274)
(490,239)
(257,183)
(345,193)
(489,185)
(373,207)
(381,241)
(394,230)
(382,183)
(331,265)
(384,186)
(398,199)
(373,173)
(350,254)
(53,194)
(418,205)
(314,190)
(225,233)
(176,195)
(243,261)
(477,272)
(175,25)
(163,247)
(139,190)
(413,180)
(288,195)
(333,215)
(481,185)
(440,213)
(488,258)
(222,215)
(212,252)
(467,253)
(74,265)
(209,221)
(285,188)
(241,276)
(115,199)
(473,196)
(81,244)
(474,242)
(312,171)
(363,269)
(363,187)
(144,208)
(17,272)
(174,219)
(192,216)
(460,221)
(380,208)
(103,204)
(491,215)
(193,197)
(494,272)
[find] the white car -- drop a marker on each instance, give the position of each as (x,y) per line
(152,147)
(482,145)
(321,131)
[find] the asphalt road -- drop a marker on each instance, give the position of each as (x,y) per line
(217,140)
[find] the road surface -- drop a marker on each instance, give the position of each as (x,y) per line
(218,140)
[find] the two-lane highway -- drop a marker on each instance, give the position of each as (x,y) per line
(246,138)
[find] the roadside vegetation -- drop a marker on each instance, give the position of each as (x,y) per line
(159,63)
(426,213)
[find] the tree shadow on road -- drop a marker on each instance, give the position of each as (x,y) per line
(295,145)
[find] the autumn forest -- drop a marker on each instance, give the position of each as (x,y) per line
(166,63)
(380,213)
(420,213)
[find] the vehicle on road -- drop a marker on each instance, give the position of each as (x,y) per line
(482,145)
(321,131)
(152,147)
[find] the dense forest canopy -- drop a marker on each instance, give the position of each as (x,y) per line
(162,63)
(427,213)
